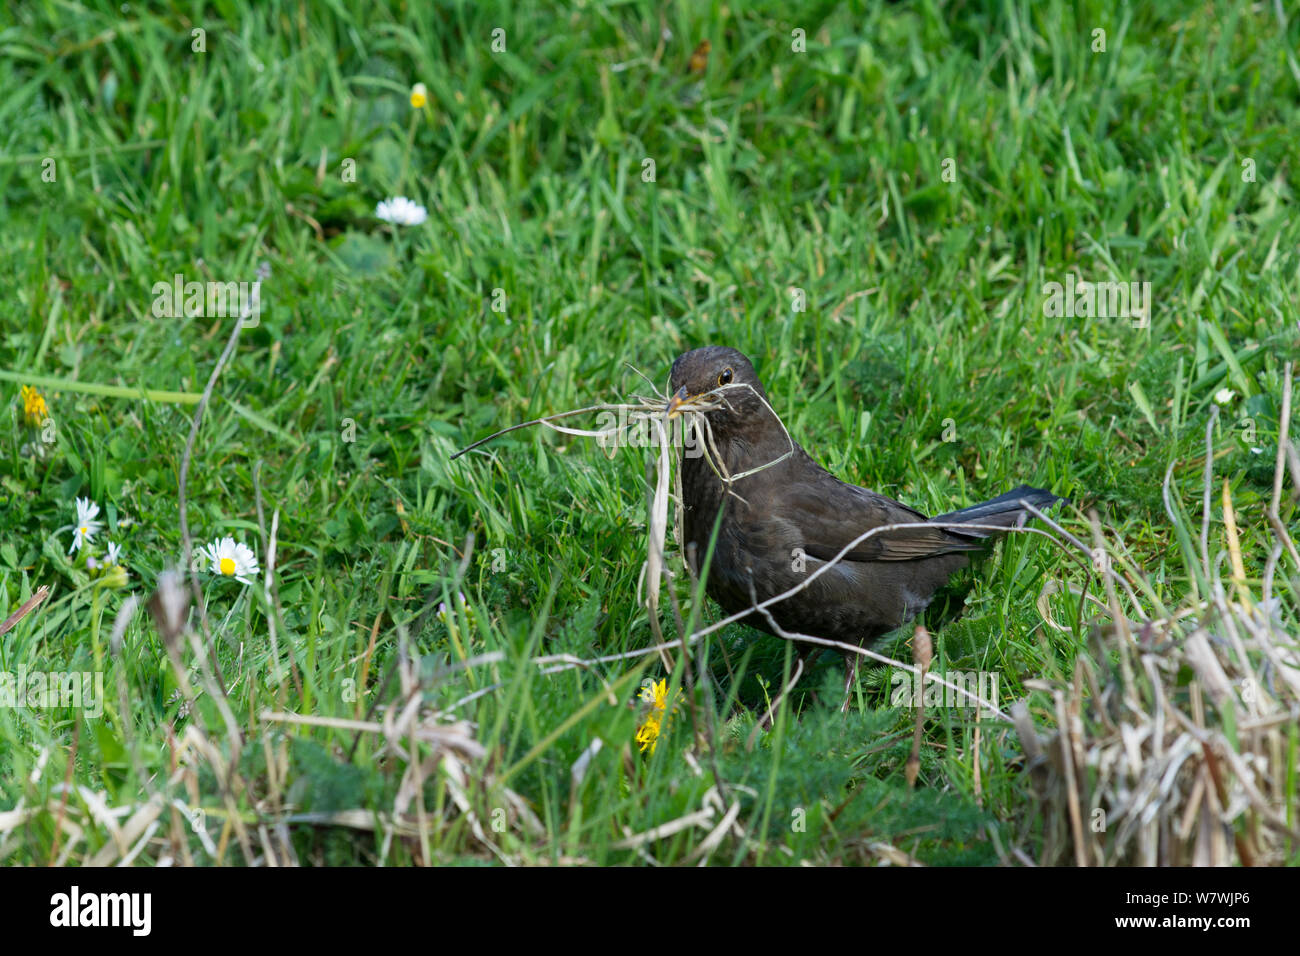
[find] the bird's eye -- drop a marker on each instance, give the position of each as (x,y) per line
(725,377)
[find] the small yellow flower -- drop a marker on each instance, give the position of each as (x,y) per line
(35,410)
(656,695)
(648,735)
(419,96)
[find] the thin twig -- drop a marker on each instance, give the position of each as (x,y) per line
(27,607)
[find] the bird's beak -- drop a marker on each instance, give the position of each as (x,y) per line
(676,402)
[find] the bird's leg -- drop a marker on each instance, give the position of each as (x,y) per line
(807,654)
(766,722)
(850,678)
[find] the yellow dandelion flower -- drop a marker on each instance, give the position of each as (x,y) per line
(419,96)
(656,695)
(35,410)
(648,735)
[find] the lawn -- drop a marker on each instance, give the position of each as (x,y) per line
(905,214)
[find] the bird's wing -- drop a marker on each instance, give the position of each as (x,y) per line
(831,514)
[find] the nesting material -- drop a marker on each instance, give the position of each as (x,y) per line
(1177,742)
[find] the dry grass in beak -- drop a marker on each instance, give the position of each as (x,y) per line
(654,412)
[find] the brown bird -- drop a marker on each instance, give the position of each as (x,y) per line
(783,517)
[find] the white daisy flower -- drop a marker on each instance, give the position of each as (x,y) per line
(232,560)
(401,211)
(86,527)
(114,553)
(1224,395)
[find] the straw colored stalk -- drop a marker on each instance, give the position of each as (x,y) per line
(1177,740)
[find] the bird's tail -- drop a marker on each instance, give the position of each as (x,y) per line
(1005,511)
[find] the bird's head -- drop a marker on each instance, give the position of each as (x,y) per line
(720,377)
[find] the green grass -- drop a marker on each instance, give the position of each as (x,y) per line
(774,171)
